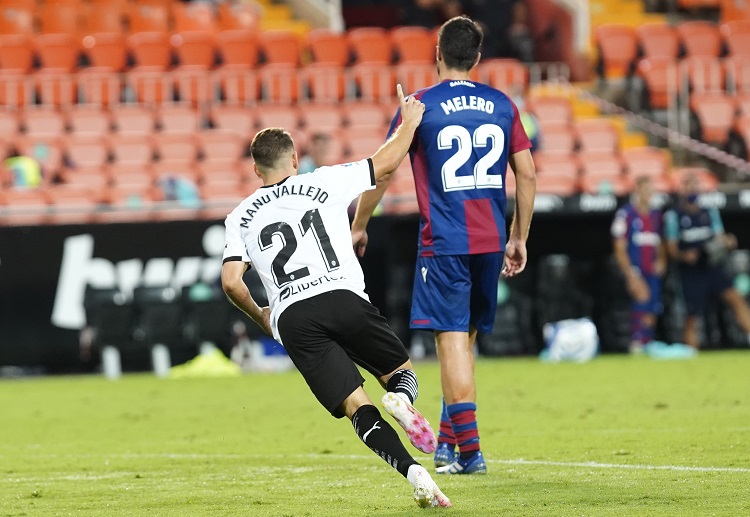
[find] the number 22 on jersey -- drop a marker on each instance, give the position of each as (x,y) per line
(485,135)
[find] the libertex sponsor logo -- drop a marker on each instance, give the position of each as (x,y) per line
(301,287)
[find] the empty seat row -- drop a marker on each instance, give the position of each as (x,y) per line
(620,46)
(90,120)
(269,83)
(19,17)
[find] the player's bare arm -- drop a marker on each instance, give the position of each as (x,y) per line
(238,293)
(522,165)
(384,162)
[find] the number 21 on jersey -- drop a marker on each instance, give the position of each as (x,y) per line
(485,135)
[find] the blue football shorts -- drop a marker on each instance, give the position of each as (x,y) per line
(452,292)
(702,285)
(653,305)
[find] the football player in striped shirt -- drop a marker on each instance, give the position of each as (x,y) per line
(469,134)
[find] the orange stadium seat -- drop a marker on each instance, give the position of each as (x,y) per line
(660,77)
(619,186)
(658,40)
(598,135)
(150,49)
(238,86)
(662,183)
(646,161)
(194,48)
(16,89)
(277,116)
(178,119)
(325,83)
(220,146)
(551,110)
(365,114)
(715,113)
(15,20)
(321,117)
(133,120)
(737,37)
(73,204)
(362,145)
(86,152)
(279,83)
(59,19)
(43,122)
(280,47)
(328,47)
(219,172)
(177,168)
(148,18)
(58,51)
(707,180)
(554,184)
(128,203)
(700,38)
(738,72)
(239,15)
(46,150)
(194,85)
(194,16)
(23,206)
(617,48)
(601,166)
(704,73)
(370,45)
(102,18)
(238,47)
(10,125)
(131,150)
(558,140)
(150,85)
(239,121)
(414,44)
(743,104)
(560,164)
(100,86)
(508,75)
(375,82)
(220,199)
(106,50)
(97,178)
(123,174)
(415,76)
(175,148)
(16,52)
(55,88)
(88,120)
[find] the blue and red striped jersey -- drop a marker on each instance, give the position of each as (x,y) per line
(459,157)
(642,233)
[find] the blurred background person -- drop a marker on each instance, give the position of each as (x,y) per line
(641,256)
(25,171)
(318,153)
(696,241)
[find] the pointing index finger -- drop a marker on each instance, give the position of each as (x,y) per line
(400,93)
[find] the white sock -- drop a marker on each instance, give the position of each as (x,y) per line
(411,474)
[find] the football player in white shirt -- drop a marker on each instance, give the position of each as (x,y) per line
(295,231)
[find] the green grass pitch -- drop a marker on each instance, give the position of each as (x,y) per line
(620,436)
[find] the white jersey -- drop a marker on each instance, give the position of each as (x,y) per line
(296,234)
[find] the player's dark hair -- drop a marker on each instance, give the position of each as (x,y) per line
(459,40)
(269,145)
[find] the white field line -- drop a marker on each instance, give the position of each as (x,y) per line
(519,461)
